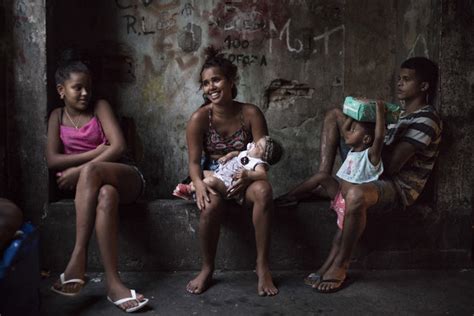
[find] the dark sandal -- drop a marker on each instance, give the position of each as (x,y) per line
(339,285)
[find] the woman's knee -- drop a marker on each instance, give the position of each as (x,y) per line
(212,181)
(213,209)
(260,191)
(108,198)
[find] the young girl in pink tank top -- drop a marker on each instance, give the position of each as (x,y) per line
(83,147)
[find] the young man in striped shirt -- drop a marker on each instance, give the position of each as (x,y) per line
(409,153)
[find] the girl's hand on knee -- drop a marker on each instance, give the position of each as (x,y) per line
(67,179)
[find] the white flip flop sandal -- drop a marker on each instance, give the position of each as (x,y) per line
(119,302)
(64,282)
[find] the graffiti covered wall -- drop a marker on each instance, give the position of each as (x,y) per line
(148,56)
(296,59)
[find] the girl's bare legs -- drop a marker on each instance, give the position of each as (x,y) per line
(259,195)
(358,199)
(100,189)
(330,186)
(209,229)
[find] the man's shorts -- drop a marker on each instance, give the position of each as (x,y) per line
(389,198)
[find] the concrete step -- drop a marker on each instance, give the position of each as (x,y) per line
(162,235)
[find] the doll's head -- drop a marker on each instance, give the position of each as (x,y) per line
(267,149)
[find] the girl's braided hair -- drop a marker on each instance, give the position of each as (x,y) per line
(214,58)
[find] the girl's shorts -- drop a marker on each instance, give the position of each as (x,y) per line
(339,206)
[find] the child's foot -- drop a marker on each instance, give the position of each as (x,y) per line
(183,191)
(200,283)
(265,283)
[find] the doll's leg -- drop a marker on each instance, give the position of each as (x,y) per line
(358,199)
(216,184)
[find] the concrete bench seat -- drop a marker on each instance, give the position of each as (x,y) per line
(162,235)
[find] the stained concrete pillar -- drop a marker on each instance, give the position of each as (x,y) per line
(25,49)
(456,162)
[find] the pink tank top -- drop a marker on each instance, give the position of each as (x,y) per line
(83,139)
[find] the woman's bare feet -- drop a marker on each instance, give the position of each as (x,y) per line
(200,283)
(265,282)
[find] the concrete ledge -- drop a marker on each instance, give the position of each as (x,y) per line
(163,235)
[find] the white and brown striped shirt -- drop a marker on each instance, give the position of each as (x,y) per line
(422,129)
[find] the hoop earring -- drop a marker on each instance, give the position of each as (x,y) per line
(427,99)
